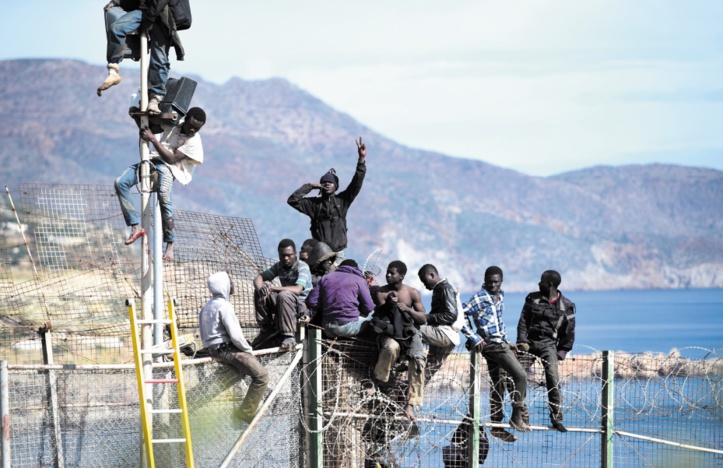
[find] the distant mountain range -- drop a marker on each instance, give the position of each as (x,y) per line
(650,226)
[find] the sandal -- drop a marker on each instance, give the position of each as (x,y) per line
(134,237)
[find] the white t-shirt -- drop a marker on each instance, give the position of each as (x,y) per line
(173,140)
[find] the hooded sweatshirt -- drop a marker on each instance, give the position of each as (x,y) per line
(217,321)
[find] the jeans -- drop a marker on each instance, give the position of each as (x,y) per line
(279,311)
(129,178)
(245,364)
(546,350)
(158,42)
(500,360)
(347,329)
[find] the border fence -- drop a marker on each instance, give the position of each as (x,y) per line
(621,409)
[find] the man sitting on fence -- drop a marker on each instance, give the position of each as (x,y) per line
(176,156)
(547,330)
(222,337)
(278,308)
(441,332)
(486,333)
(397,319)
(339,298)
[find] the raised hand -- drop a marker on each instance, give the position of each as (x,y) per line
(361,148)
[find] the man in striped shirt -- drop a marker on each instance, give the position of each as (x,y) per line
(486,333)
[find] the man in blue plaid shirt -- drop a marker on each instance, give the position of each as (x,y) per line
(486,333)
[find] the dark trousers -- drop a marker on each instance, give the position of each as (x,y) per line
(245,364)
(279,311)
(546,350)
(500,360)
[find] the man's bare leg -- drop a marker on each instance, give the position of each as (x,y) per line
(168,255)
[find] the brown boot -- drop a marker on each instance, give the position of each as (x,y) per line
(516,421)
(112,79)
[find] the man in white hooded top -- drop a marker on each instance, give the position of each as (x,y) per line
(222,337)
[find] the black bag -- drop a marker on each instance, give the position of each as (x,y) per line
(181,12)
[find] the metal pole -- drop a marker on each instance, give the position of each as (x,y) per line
(52,389)
(474,411)
(607,397)
(315,389)
(146,295)
(158,310)
(5,411)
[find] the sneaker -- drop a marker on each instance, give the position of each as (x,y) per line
(503,434)
(558,425)
(153,108)
(287,345)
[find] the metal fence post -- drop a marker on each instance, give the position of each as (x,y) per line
(314,391)
(5,411)
(52,389)
(608,403)
(474,411)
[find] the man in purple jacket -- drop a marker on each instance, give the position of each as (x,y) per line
(340,297)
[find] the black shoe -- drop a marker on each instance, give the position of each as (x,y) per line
(503,434)
(263,337)
(558,425)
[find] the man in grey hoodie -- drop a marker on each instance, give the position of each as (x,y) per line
(222,337)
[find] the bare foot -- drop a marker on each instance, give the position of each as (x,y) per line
(409,411)
(168,255)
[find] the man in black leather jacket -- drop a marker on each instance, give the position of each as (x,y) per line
(438,332)
(547,330)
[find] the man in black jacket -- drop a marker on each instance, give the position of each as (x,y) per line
(438,332)
(328,211)
(547,329)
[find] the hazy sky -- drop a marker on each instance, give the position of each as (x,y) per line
(538,86)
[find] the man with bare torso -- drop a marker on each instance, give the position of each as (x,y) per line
(397,319)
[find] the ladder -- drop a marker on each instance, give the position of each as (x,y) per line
(147,409)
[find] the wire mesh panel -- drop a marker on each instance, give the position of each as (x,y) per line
(92,417)
(85,272)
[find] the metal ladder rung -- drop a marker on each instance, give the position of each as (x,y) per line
(159,381)
(157,351)
(169,441)
(151,322)
(167,411)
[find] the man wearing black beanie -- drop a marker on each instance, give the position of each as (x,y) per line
(328,210)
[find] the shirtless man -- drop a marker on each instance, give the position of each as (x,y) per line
(397,319)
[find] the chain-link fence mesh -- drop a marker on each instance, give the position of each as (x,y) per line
(92,417)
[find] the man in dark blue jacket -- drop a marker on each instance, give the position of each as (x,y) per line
(547,330)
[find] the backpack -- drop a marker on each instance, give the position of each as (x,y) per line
(181,12)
